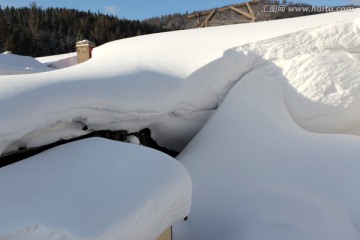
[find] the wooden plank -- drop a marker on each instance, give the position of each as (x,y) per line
(195,15)
(212,14)
(242,12)
(250,9)
(204,24)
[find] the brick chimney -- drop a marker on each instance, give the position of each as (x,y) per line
(84,49)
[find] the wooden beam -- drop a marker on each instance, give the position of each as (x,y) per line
(250,9)
(208,18)
(242,12)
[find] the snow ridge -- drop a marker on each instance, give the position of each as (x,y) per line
(320,75)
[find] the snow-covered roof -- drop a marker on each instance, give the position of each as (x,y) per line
(59,61)
(11,64)
(93,189)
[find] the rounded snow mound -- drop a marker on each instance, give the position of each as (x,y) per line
(94,188)
(11,64)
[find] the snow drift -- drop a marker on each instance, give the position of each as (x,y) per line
(320,73)
(93,189)
(152,81)
(256,173)
(11,64)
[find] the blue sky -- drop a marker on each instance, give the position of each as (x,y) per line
(140,9)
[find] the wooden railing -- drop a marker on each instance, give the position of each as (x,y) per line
(236,8)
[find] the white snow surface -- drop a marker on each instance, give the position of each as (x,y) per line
(169,82)
(59,61)
(93,189)
(11,64)
(256,172)
(258,176)
(133,139)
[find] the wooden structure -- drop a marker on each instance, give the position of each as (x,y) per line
(84,49)
(250,15)
(167,235)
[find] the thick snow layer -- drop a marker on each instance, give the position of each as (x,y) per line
(169,82)
(183,52)
(258,176)
(320,73)
(11,64)
(59,61)
(93,189)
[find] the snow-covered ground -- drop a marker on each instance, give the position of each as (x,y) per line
(93,189)
(268,164)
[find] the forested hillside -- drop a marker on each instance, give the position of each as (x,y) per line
(38,32)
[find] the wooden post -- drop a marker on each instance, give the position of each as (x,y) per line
(208,18)
(250,9)
(84,49)
(167,235)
